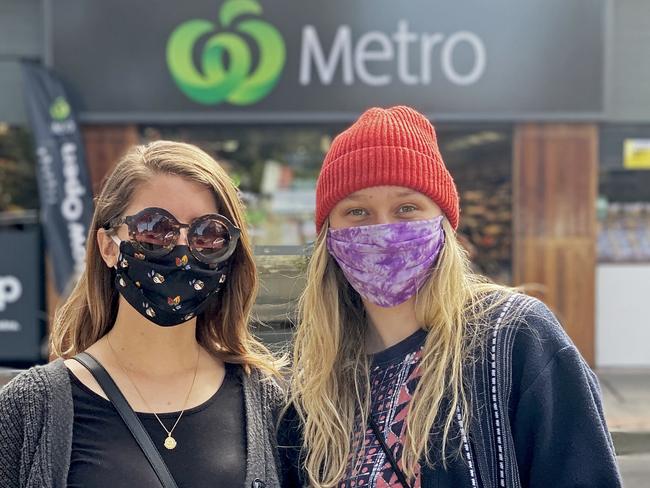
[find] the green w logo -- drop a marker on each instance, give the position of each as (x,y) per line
(235,82)
(60,109)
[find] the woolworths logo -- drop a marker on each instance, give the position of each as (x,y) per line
(60,109)
(237,81)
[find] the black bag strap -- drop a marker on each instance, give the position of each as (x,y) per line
(129,417)
(391,459)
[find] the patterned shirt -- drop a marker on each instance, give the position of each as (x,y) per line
(394,375)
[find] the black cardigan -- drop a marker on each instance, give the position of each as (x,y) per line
(537,419)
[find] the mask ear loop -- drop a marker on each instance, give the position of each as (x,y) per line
(117,241)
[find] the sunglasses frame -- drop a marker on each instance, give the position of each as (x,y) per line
(130,220)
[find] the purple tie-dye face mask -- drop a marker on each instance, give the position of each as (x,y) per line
(387,263)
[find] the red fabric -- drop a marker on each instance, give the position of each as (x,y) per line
(395,146)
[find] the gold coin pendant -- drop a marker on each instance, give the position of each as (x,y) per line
(170,442)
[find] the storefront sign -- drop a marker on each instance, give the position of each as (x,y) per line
(63,181)
(21,295)
(636,154)
(11,289)
(283,60)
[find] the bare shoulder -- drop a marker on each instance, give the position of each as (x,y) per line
(83,375)
(212,371)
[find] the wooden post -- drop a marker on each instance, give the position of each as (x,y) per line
(105,145)
(555,178)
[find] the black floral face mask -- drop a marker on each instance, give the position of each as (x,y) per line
(168,290)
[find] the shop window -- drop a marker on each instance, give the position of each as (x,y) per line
(276,168)
(624,194)
(18,187)
(480,159)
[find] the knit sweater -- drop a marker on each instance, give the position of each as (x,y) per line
(536,414)
(36,419)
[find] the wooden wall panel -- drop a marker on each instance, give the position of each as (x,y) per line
(105,144)
(555,180)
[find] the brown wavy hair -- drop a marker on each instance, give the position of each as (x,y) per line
(223,328)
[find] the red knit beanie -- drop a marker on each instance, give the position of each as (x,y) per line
(396,147)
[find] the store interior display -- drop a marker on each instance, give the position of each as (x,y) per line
(481,163)
(624,233)
(624,197)
(276,168)
(18,189)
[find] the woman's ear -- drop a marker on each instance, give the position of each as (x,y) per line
(108,248)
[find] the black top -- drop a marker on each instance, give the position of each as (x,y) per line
(397,352)
(211,438)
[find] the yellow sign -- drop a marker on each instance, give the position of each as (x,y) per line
(636,154)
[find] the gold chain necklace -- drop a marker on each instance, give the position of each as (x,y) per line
(170,442)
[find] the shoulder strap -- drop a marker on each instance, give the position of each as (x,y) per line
(129,417)
(391,459)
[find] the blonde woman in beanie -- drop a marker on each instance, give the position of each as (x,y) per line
(409,369)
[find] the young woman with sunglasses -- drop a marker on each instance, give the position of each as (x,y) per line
(163,305)
(412,371)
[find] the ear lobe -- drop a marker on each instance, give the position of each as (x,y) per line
(107,248)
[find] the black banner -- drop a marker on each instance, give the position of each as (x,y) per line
(63,181)
(21,294)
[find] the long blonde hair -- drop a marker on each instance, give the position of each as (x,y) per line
(330,387)
(223,328)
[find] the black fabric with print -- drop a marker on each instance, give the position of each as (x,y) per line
(168,290)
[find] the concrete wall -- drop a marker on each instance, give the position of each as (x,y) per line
(623,315)
(627,73)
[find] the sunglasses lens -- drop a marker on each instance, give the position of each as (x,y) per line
(210,239)
(154,231)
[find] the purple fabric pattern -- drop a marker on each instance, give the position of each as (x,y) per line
(387,263)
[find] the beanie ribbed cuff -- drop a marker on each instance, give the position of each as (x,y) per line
(391,147)
(373,166)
